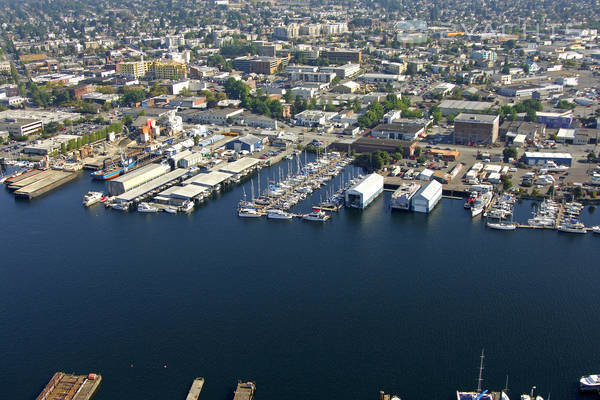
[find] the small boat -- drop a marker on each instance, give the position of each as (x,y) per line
(316,215)
(278,214)
(120,206)
(103,199)
(171,210)
(596,229)
(248,213)
(92,198)
(187,206)
(589,382)
(289,157)
(481,203)
(146,208)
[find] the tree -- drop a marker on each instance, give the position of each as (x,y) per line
(506,182)
(509,152)
(591,157)
(236,89)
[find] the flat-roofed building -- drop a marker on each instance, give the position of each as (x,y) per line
(476,128)
(396,130)
(450,107)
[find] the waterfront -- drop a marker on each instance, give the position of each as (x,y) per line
(398,302)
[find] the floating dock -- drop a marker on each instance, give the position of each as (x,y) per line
(244,391)
(195,389)
(64,386)
(37,184)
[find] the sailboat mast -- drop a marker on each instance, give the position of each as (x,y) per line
(480,379)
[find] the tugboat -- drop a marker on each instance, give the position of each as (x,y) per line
(112,171)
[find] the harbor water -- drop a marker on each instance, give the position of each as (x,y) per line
(370,300)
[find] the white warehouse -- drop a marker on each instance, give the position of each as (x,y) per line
(364,192)
(427,197)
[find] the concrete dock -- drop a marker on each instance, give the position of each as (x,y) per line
(195,389)
(38,184)
(64,386)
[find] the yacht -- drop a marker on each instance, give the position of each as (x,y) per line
(92,198)
(481,203)
(171,210)
(146,208)
(316,215)
(248,213)
(596,229)
(503,226)
(572,227)
(278,214)
(589,382)
(187,206)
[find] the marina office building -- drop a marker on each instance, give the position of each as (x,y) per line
(361,194)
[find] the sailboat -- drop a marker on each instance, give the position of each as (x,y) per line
(480,394)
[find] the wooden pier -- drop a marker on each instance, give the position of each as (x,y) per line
(64,386)
(39,183)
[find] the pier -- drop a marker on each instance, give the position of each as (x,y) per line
(244,391)
(38,182)
(64,386)
(195,389)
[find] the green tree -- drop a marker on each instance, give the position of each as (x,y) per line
(510,152)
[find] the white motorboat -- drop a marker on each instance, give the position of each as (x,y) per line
(146,208)
(278,214)
(120,206)
(596,229)
(589,382)
(320,216)
(187,206)
(481,203)
(248,213)
(171,210)
(92,198)
(571,227)
(503,226)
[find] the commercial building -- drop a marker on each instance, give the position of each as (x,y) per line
(20,127)
(286,32)
(258,65)
(168,70)
(151,184)
(530,90)
(324,77)
(381,78)
(538,158)
(476,128)
(361,194)
(313,117)
(47,146)
(402,131)
(342,56)
(343,71)
(133,69)
(451,107)
(369,145)
(136,178)
(215,116)
(427,197)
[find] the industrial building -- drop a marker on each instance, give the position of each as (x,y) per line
(402,197)
(249,143)
(149,186)
(476,128)
(212,180)
(451,107)
(361,194)
(538,158)
(555,120)
(136,178)
(427,197)
(400,131)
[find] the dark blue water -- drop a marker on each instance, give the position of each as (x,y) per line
(368,301)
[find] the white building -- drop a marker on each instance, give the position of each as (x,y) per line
(427,197)
(364,192)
